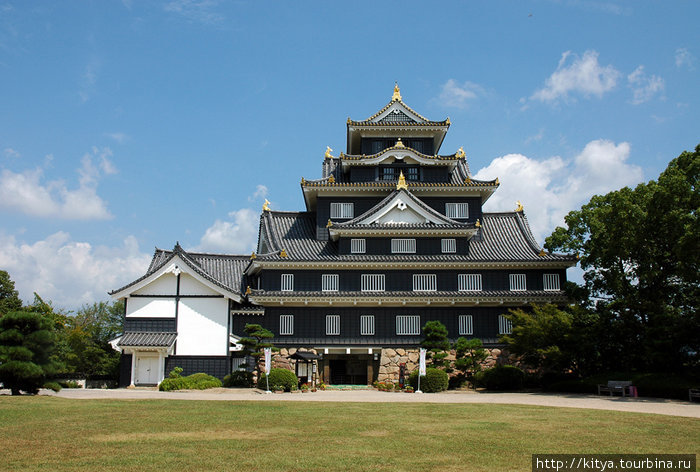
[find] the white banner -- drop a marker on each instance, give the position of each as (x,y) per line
(421,369)
(268,360)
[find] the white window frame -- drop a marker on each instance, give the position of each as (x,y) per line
(466,325)
(286,325)
(373,282)
(457,210)
(358,246)
(550,282)
(287,282)
(505,326)
(449,245)
(332,325)
(403,246)
(342,210)
(424,282)
(367,325)
(407,325)
(330,282)
(469,283)
(518,282)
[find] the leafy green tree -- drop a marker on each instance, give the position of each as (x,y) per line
(640,250)
(469,354)
(26,343)
(436,343)
(257,340)
(9,297)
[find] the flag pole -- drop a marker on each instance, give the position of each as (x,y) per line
(421,367)
(268,356)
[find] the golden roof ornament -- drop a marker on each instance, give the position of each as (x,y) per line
(303,181)
(253,256)
(331,179)
(329,224)
(519,207)
(478,223)
(497,182)
(542,253)
(468,180)
(283,254)
(399,144)
(248,291)
(266,205)
(402,182)
(328,154)
(447,121)
(460,153)
(397,93)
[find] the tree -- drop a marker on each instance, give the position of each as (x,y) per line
(436,343)
(256,341)
(26,343)
(469,354)
(9,297)
(640,249)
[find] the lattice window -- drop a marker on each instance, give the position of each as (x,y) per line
(466,325)
(412,173)
(518,283)
(407,325)
(286,325)
(367,325)
(372,282)
(551,282)
(449,246)
(358,246)
(329,282)
(287,283)
(457,210)
(505,326)
(424,282)
(403,246)
(342,210)
(469,283)
(332,325)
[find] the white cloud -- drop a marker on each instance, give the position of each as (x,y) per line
(70,273)
(196,10)
(260,193)
(459,96)
(88,80)
(239,235)
(685,58)
(644,87)
(551,188)
(9,152)
(28,193)
(118,137)
(583,75)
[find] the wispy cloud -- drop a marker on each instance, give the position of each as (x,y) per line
(456,95)
(577,76)
(684,58)
(260,193)
(88,80)
(644,87)
(202,11)
(118,137)
(9,152)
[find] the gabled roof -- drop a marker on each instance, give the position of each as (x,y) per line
(396,112)
(147,339)
(222,272)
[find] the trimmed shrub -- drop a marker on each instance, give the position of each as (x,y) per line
(239,379)
(69,384)
(280,377)
(503,377)
(198,381)
(55,386)
(434,380)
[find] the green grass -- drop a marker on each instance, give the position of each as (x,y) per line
(44,433)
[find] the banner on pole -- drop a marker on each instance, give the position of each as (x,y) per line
(268,360)
(421,369)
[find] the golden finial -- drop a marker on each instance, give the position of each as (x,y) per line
(402,182)
(331,179)
(468,180)
(542,253)
(397,92)
(253,256)
(248,291)
(497,182)
(519,207)
(478,223)
(303,181)
(266,205)
(329,224)
(447,121)
(460,153)
(349,120)
(283,254)
(328,153)
(399,144)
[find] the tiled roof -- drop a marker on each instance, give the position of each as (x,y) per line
(384,122)
(412,294)
(223,270)
(360,157)
(150,339)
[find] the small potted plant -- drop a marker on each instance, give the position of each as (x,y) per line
(294,389)
(321,386)
(278,388)
(408,389)
(304,388)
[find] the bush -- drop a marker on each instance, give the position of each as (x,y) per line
(239,379)
(502,377)
(55,386)
(199,381)
(434,380)
(280,377)
(69,384)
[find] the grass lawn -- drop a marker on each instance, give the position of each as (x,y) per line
(44,433)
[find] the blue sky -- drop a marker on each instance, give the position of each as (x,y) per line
(126,125)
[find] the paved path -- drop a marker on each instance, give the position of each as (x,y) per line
(637,405)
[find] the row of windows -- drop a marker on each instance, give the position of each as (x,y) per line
(402,246)
(422,282)
(406,325)
(341,210)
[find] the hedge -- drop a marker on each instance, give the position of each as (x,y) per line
(198,381)
(279,377)
(434,380)
(239,378)
(502,377)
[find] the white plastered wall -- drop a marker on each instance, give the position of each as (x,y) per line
(202,327)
